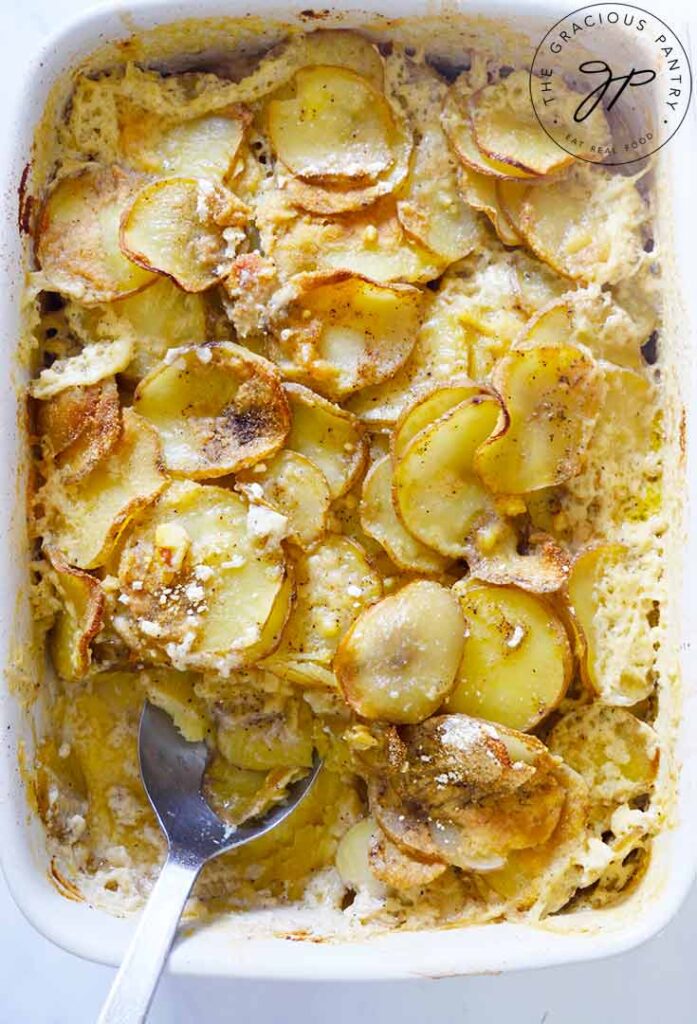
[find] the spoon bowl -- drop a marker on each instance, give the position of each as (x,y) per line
(173,770)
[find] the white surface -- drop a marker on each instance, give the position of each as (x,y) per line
(41,984)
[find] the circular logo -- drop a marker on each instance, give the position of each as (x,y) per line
(610,83)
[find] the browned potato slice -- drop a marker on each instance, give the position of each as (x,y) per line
(506,129)
(80,618)
(617,658)
(586,226)
(431,208)
(93,364)
(429,404)
(340,332)
(369,242)
(461,791)
(380,521)
(552,395)
(494,558)
(78,236)
(186,228)
(437,493)
(203,580)
(332,199)
(480,191)
(517,659)
(328,436)
(296,488)
(334,582)
(399,660)
(80,427)
(545,876)
(395,868)
(85,519)
(217,408)
(613,751)
(458,127)
(203,147)
(336,127)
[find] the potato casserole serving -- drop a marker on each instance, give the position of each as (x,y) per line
(349,434)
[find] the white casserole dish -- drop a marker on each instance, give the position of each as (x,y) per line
(213,949)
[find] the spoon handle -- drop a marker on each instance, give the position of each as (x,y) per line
(134,985)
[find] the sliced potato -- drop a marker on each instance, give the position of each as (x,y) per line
(612,614)
(203,147)
(175,692)
(341,48)
(393,867)
(457,126)
(369,242)
(537,283)
(587,226)
(78,236)
(613,751)
(333,199)
(353,857)
(480,191)
(217,408)
(589,318)
(79,620)
(185,228)
(546,876)
(509,197)
(552,395)
(494,557)
(203,580)
(296,488)
(160,318)
(334,582)
(551,326)
(340,332)
(85,519)
(328,436)
(308,674)
(517,659)
(336,127)
(506,129)
(428,405)
(460,791)
(79,427)
(437,493)
(399,659)
(431,208)
(443,351)
(95,363)
(259,733)
(380,521)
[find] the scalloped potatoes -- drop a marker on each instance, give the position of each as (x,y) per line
(345,442)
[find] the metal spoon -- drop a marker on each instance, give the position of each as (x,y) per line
(172,771)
